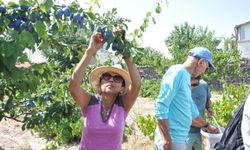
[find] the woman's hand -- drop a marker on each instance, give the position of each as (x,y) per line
(96,42)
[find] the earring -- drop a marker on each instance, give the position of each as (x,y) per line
(120,93)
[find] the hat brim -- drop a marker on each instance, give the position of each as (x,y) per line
(212,66)
(94,77)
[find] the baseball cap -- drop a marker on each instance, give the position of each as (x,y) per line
(202,52)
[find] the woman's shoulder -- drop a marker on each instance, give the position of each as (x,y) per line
(94,99)
(119,100)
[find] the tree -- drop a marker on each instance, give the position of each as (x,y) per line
(151,57)
(186,37)
(38,96)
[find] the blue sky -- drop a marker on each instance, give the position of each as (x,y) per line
(220,16)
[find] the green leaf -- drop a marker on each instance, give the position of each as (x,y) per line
(12,5)
(108,45)
(40,28)
(17,74)
(1,117)
(148,14)
(46,5)
(111,38)
(153,19)
(10,49)
(24,2)
(54,28)
(120,45)
(60,26)
(44,45)
(91,15)
(6,21)
(158,9)
(26,39)
(23,126)
(22,58)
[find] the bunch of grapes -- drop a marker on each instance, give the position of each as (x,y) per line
(23,17)
(17,18)
(118,42)
(78,18)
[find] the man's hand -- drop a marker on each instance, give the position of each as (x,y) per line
(167,145)
(165,134)
(212,129)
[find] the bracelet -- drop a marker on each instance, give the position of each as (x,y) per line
(206,125)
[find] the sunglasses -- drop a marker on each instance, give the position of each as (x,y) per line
(116,78)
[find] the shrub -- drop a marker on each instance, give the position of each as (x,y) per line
(150,88)
(147,125)
(232,97)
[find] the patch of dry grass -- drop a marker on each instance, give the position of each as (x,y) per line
(216,95)
(137,141)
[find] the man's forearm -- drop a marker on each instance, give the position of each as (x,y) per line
(200,122)
(165,133)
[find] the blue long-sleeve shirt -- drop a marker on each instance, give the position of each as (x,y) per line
(200,95)
(175,104)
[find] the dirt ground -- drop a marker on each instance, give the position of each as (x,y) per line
(13,138)
(138,141)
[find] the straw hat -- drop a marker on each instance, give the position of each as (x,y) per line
(94,77)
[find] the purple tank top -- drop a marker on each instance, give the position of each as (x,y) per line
(99,134)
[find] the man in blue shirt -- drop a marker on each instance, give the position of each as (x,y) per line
(202,97)
(174,109)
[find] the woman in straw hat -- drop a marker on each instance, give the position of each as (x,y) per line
(104,114)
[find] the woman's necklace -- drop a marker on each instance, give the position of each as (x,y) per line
(105,112)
